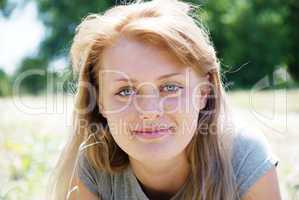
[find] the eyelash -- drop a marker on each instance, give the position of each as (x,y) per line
(125,88)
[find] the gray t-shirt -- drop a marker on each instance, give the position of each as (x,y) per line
(252,158)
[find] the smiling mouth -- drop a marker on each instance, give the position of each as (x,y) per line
(153,131)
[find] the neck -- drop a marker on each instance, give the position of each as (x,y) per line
(162,178)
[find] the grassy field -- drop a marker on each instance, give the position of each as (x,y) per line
(276,114)
(33,131)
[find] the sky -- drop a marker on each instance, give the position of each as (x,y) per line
(20,35)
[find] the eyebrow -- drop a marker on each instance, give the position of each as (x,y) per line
(160,78)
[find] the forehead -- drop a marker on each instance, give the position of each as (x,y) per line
(134,59)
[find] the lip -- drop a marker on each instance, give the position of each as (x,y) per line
(151,130)
(151,133)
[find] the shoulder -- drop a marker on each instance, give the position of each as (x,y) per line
(104,184)
(252,157)
(96,181)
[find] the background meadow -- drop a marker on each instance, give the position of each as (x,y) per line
(31,142)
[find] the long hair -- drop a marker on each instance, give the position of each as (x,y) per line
(169,24)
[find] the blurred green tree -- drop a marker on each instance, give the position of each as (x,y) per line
(60,19)
(5,85)
(30,77)
(5,8)
(292,22)
(252,38)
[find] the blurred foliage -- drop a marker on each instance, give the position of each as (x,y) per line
(5,86)
(31,77)
(252,38)
(249,37)
(8,6)
(292,22)
(5,8)
(60,19)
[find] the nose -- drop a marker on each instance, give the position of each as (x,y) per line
(148,106)
(150,115)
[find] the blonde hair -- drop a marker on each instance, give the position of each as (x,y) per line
(167,24)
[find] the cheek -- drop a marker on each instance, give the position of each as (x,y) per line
(189,124)
(186,114)
(117,108)
(170,104)
(186,103)
(175,104)
(119,122)
(119,131)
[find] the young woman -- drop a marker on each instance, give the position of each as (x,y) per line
(150,118)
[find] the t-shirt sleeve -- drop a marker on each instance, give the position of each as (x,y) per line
(87,174)
(97,181)
(252,158)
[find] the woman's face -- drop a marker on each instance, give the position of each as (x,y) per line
(151,101)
